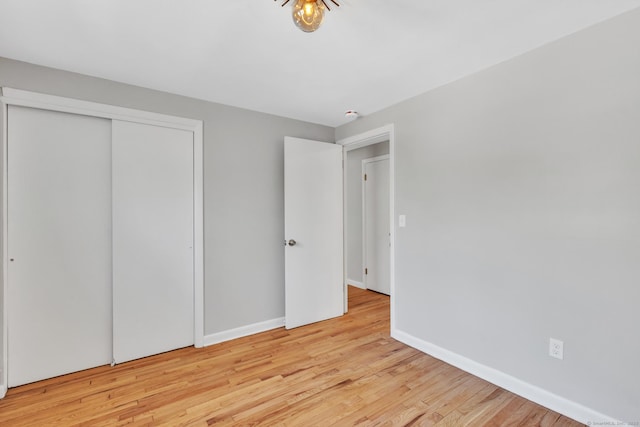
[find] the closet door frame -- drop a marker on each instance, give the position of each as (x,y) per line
(18,97)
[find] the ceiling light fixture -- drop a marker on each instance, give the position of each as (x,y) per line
(351,114)
(308,14)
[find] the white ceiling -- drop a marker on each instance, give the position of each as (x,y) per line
(368,54)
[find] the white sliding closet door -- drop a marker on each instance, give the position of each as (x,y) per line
(153,238)
(59,243)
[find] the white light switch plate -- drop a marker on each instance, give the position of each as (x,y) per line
(402,221)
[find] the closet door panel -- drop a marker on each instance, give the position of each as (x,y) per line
(59,243)
(152,240)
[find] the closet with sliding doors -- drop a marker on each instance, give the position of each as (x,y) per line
(102,235)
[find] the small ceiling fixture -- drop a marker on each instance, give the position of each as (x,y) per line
(351,114)
(308,14)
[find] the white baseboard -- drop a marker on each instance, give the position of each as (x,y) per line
(355,283)
(243,331)
(3,390)
(528,391)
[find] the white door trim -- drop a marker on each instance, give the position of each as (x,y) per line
(374,136)
(365,162)
(5,226)
(43,101)
(10,96)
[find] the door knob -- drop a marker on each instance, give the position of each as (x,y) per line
(292,242)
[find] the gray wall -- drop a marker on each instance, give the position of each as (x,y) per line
(520,186)
(243,173)
(354,206)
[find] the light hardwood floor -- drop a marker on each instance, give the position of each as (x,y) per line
(341,372)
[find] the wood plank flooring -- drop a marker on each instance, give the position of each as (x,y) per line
(341,372)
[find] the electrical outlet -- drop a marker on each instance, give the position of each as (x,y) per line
(556,348)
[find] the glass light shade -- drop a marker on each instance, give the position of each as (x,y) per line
(308,14)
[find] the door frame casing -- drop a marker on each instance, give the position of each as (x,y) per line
(23,98)
(365,162)
(374,136)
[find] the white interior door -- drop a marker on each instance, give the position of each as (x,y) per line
(313,220)
(376,224)
(59,243)
(153,273)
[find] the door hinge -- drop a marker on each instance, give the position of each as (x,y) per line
(366,271)
(365,176)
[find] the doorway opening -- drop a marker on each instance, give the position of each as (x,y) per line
(377,144)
